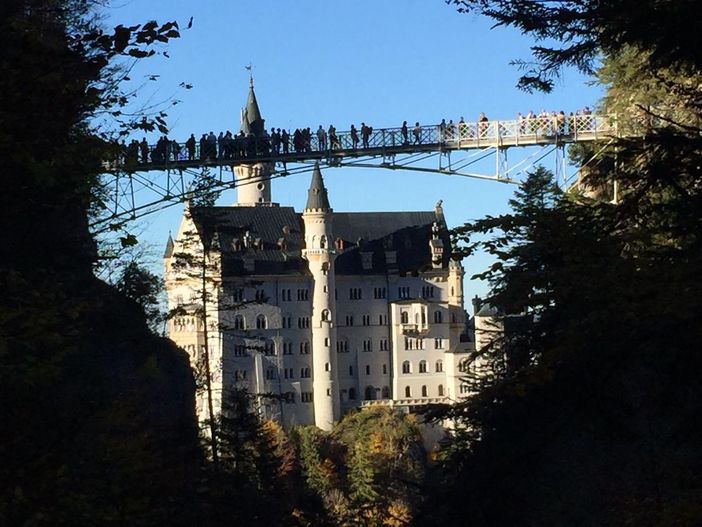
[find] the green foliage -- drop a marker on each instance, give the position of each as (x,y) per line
(145,288)
(577,33)
(368,470)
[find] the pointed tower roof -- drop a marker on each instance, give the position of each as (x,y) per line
(169,247)
(251,120)
(317,194)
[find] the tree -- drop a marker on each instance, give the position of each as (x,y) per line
(144,287)
(98,424)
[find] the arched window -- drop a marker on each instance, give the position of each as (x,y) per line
(404,317)
(326,366)
(352,394)
(239,322)
(408,391)
(261,322)
(386,392)
(370,393)
(424,391)
(422,366)
(424,317)
(406,367)
(437,317)
(464,365)
(441,390)
(325,315)
(439,366)
(323,242)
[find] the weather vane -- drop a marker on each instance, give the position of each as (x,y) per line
(249,68)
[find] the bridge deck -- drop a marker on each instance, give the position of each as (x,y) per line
(385,142)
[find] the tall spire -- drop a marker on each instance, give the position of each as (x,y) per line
(251,120)
(317,198)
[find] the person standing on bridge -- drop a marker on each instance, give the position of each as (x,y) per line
(482,124)
(403,131)
(190,147)
(442,130)
(144,147)
(365,134)
(321,138)
(285,139)
(417,133)
(462,128)
(354,136)
(333,139)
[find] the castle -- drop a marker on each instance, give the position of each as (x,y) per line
(325,310)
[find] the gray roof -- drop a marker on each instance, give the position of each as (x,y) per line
(251,120)
(487,310)
(317,198)
(169,247)
(275,240)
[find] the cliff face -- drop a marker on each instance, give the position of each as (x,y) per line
(98,421)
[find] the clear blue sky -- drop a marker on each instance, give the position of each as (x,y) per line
(342,62)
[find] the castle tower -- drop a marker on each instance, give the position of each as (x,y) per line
(253,179)
(319,253)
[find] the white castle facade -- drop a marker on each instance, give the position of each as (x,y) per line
(326,311)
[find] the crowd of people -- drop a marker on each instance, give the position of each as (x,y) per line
(211,147)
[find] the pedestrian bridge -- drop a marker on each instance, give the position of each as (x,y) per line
(385,142)
(146,178)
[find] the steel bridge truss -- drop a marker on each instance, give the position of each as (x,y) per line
(141,186)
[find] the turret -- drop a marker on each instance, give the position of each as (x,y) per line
(253,179)
(320,253)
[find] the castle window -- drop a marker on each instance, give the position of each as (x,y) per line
(437,317)
(424,318)
(349,320)
(240,350)
(403,292)
(365,320)
(239,322)
(422,366)
(352,394)
(370,393)
(261,322)
(355,293)
(286,295)
(439,366)
(326,366)
(303,295)
(385,369)
(288,373)
(239,375)
(270,374)
(260,295)
(367,345)
(383,344)
(325,267)
(326,342)
(323,242)
(303,322)
(287,348)
(441,390)
(287,322)
(351,371)
(404,317)
(325,315)
(379,293)
(465,388)
(382,320)
(304,373)
(406,367)
(290,397)
(306,397)
(438,343)
(304,348)
(367,369)
(464,366)
(408,391)
(386,392)
(424,391)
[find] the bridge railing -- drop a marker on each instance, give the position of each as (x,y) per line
(523,131)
